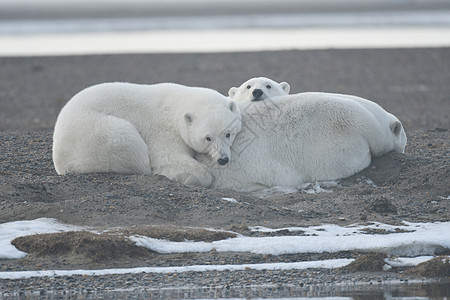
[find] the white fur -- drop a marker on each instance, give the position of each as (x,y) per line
(148,129)
(258,89)
(307,137)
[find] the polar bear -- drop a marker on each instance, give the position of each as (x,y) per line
(145,129)
(306,137)
(258,89)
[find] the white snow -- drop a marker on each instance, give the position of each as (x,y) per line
(306,188)
(12,230)
(422,239)
(406,261)
(318,187)
(413,243)
(232,200)
(328,264)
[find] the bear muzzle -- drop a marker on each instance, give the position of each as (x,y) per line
(257,93)
(223,160)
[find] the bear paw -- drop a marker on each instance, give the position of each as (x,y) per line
(203,178)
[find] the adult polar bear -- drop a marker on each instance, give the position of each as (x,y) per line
(131,128)
(307,137)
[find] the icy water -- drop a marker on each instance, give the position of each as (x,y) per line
(403,291)
(77,27)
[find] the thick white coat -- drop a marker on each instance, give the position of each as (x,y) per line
(307,137)
(145,129)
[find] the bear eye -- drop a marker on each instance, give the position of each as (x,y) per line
(268,86)
(227,135)
(248,87)
(208,139)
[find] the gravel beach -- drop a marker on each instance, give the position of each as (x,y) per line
(413,84)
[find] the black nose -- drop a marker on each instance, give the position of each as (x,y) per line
(223,161)
(257,93)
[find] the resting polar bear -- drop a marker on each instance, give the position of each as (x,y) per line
(131,128)
(307,137)
(258,89)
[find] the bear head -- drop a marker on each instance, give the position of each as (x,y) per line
(212,129)
(258,89)
(398,136)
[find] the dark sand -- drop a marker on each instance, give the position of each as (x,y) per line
(413,84)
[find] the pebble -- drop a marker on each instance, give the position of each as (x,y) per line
(213,284)
(234,283)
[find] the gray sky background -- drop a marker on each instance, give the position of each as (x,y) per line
(33,9)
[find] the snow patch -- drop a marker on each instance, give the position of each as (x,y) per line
(328,264)
(411,239)
(421,240)
(10,231)
(318,187)
(308,188)
(407,261)
(232,200)
(324,264)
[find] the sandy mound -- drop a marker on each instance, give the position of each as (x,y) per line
(436,267)
(81,245)
(102,248)
(371,262)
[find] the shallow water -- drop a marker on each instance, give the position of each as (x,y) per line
(366,19)
(404,291)
(367,292)
(71,27)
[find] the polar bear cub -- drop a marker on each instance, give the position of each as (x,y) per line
(307,137)
(145,129)
(258,89)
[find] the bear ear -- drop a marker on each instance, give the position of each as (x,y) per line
(188,118)
(286,87)
(396,127)
(232,106)
(232,92)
